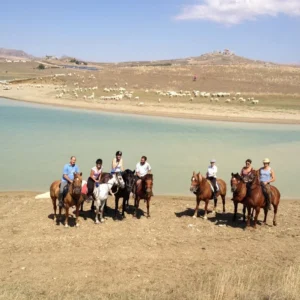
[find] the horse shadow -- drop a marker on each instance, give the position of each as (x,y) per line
(220,219)
(61,221)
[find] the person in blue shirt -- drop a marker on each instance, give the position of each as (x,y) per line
(67,178)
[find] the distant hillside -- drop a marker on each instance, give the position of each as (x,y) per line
(14,54)
(225,57)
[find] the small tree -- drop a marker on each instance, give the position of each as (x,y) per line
(41,67)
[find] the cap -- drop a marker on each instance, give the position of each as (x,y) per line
(266,160)
(118,153)
(213,160)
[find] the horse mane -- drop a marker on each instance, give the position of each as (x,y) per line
(148,176)
(237,176)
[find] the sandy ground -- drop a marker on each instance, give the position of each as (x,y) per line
(169,256)
(199,109)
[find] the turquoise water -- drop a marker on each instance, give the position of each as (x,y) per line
(36,141)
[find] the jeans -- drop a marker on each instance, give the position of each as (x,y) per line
(61,190)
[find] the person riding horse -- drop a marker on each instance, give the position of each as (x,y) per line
(247,169)
(266,176)
(211,174)
(67,178)
(142,168)
(94,179)
(117,163)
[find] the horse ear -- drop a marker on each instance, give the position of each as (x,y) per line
(80,173)
(232,174)
(194,173)
(200,177)
(133,172)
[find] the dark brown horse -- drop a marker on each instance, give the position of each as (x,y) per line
(144,191)
(73,197)
(255,199)
(239,190)
(201,187)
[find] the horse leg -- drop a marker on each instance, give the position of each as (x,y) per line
(223,202)
(125,199)
(97,206)
(196,209)
(214,212)
(103,202)
(248,215)
(54,208)
(275,214)
(205,209)
(244,213)
(77,214)
(148,207)
(93,206)
(67,215)
(116,205)
(137,203)
(266,214)
(235,211)
(257,210)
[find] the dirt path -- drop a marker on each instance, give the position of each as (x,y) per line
(169,256)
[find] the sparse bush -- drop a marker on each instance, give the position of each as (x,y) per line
(41,67)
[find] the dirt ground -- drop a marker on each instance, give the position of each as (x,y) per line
(169,256)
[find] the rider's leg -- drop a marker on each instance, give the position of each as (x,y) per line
(61,190)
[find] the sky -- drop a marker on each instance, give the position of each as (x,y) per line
(127,30)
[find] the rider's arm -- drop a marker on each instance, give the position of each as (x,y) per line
(273,178)
(149,170)
(92,174)
(65,176)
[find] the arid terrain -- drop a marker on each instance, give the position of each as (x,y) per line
(276,87)
(169,256)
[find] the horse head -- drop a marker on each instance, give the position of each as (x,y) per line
(195,182)
(128,177)
(119,181)
(235,180)
(148,179)
(76,184)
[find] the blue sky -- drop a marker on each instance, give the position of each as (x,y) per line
(114,31)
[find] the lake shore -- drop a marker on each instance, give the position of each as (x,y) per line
(196,111)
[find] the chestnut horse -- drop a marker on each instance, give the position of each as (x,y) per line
(73,197)
(255,199)
(239,190)
(144,191)
(201,187)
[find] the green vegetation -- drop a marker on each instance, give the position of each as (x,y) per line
(41,67)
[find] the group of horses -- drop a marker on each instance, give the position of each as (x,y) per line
(119,184)
(246,190)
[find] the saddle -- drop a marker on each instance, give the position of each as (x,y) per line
(268,195)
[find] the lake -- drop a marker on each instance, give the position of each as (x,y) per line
(36,141)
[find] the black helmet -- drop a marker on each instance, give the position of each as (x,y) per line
(99,161)
(119,153)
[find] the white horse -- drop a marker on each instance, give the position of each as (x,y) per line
(101,194)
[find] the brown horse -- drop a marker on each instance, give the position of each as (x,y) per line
(144,191)
(255,199)
(239,190)
(73,197)
(201,187)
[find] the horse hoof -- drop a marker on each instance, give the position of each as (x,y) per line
(274,223)
(205,217)
(66,225)
(194,217)
(96,222)
(77,225)
(214,213)
(102,220)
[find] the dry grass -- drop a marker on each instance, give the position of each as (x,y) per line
(170,256)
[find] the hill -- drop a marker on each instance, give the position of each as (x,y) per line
(14,54)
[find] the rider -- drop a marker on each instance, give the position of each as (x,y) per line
(95,177)
(211,174)
(266,176)
(117,163)
(247,169)
(67,178)
(142,168)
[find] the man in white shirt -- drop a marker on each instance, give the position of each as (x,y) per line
(142,168)
(211,174)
